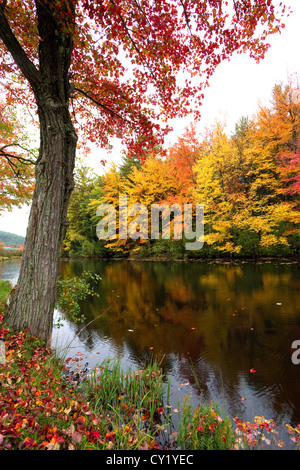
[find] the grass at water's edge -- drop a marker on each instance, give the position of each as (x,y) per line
(41,406)
(44,406)
(5,288)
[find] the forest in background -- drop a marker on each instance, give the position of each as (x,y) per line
(249,183)
(11,239)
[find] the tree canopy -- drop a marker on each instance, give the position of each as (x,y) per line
(126,67)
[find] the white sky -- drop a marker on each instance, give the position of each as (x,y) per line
(235,91)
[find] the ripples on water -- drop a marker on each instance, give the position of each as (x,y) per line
(211,322)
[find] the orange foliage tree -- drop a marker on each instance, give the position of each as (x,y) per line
(181,159)
(286,123)
(96,69)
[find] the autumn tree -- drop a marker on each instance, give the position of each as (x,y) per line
(181,158)
(272,212)
(128,163)
(218,181)
(251,206)
(17,160)
(96,69)
(286,125)
(81,238)
(112,187)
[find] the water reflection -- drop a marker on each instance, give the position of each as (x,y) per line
(211,321)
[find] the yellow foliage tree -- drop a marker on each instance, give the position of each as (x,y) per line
(216,176)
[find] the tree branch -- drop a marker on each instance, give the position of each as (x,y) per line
(236,10)
(101,105)
(143,60)
(26,161)
(16,171)
(187,20)
(13,46)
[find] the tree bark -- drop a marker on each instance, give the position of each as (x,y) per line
(34,298)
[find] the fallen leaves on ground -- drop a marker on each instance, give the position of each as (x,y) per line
(42,408)
(39,409)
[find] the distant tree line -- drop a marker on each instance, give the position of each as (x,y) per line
(11,239)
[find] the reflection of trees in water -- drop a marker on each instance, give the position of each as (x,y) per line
(224,313)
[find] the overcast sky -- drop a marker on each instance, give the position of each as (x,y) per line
(235,91)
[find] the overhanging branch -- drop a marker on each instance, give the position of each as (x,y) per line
(9,156)
(103,106)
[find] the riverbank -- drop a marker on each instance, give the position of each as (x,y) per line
(9,258)
(8,255)
(207,260)
(42,406)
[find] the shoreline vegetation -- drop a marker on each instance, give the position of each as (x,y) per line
(7,255)
(11,246)
(51,403)
(17,254)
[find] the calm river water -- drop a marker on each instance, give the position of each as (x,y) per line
(213,323)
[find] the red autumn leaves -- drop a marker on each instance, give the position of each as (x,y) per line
(38,409)
(127,55)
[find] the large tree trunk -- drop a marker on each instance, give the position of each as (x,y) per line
(33,302)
